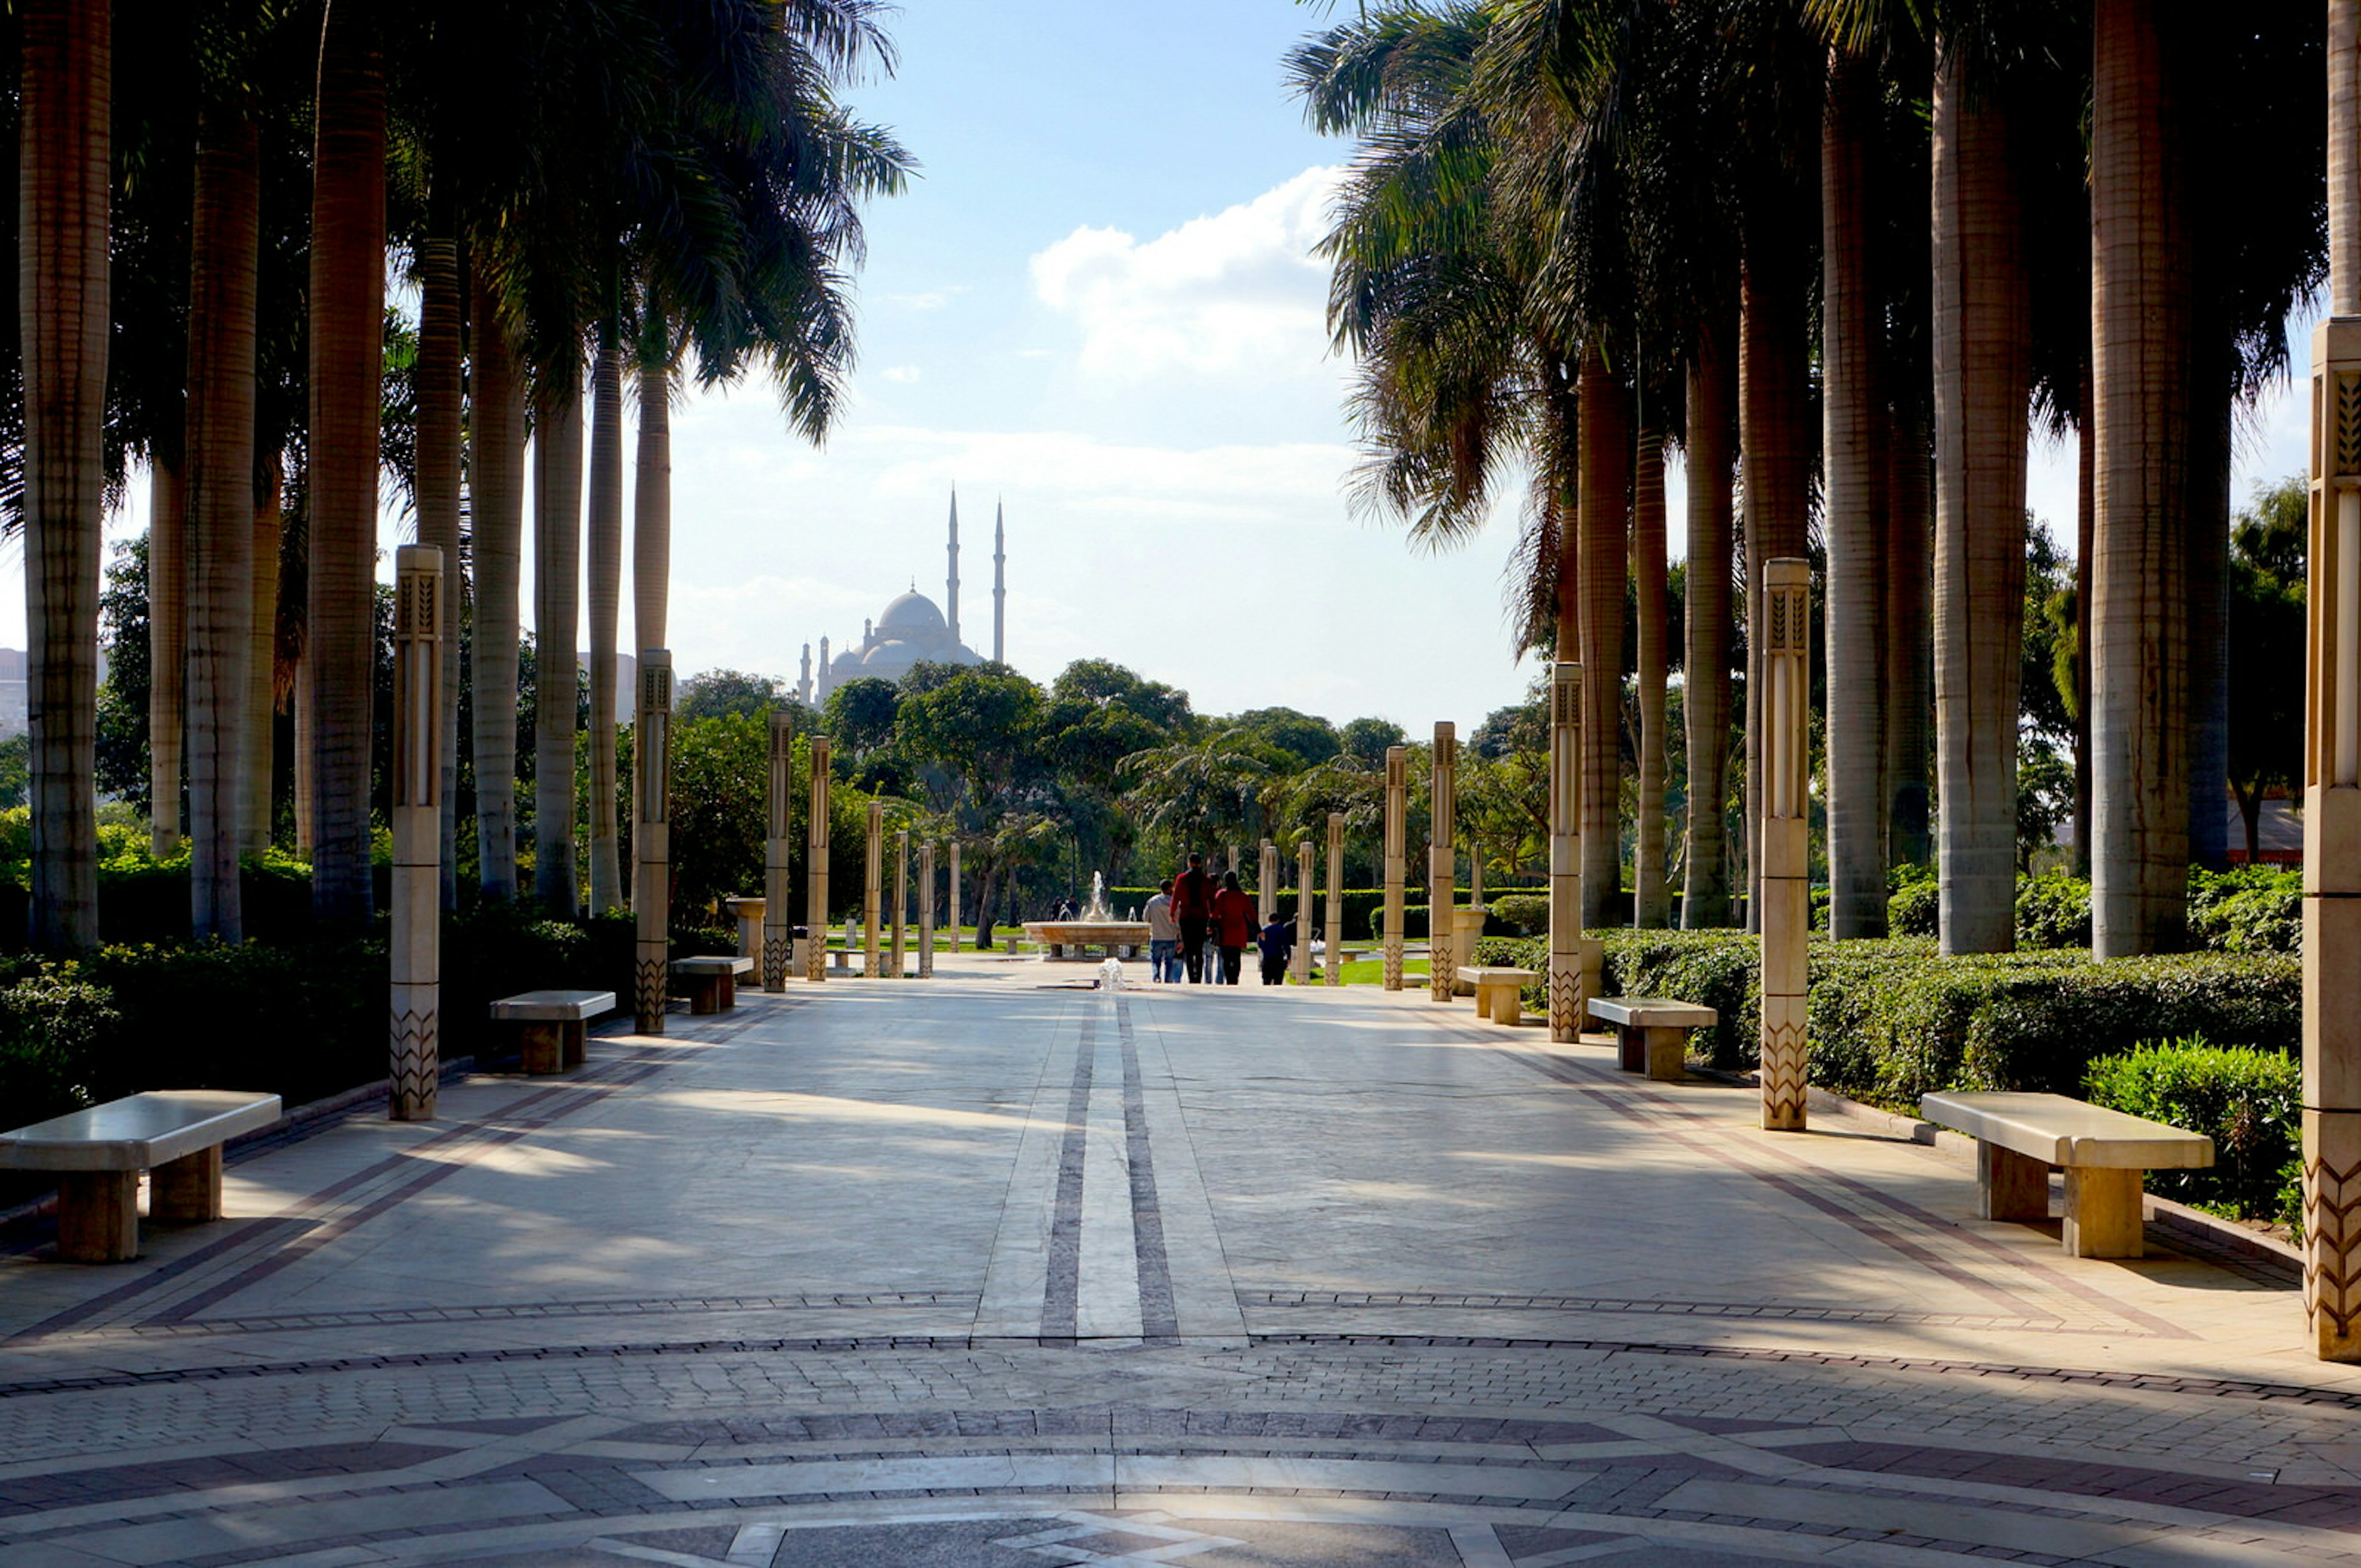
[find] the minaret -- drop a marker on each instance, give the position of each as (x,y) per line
(999,587)
(952,609)
(804,686)
(826,674)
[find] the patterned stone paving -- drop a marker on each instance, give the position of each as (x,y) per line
(983,1273)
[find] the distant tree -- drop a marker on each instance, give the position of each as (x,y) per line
(2045,796)
(1521,727)
(717,692)
(122,751)
(1101,681)
(858,716)
(1208,786)
(1306,739)
(15,770)
(2045,688)
(1367,739)
(2266,649)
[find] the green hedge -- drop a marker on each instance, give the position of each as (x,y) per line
(2255,909)
(2249,1103)
(1893,1020)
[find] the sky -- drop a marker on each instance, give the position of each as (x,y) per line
(1097,307)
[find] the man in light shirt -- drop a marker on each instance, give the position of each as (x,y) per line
(1163,937)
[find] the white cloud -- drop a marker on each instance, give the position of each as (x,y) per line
(930,299)
(1238,291)
(901,375)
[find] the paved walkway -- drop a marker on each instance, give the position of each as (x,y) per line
(992,1272)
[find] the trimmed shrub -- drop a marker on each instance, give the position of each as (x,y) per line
(2053,910)
(2253,909)
(1525,914)
(2248,1102)
(1915,908)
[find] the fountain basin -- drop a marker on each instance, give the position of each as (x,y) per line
(1072,941)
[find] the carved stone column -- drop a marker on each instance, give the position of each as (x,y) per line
(778,920)
(1785,839)
(899,947)
(1267,882)
(1443,868)
(1397,858)
(816,866)
(652,841)
(2331,852)
(926,910)
(1332,972)
(414,1067)
(1567,990)
(955,895)
(872,893)
(1304,867)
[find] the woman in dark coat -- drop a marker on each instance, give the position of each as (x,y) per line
(1234,924)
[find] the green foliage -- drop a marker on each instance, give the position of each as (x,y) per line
(2255,909)
(2044,797)
(2248,1102)
(1915,907)
(1305,740)
(2053,910)
(714,693)
(1366,740)
(1525,914)
(2265,636)
(858,716)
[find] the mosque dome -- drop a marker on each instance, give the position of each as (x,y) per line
(912,612)
(890,650)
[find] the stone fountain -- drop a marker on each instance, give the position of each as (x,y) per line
(1096,928)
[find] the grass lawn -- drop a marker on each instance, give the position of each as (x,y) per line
(1372,971)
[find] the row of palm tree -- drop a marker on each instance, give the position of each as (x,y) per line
(1835,253)
(612,190)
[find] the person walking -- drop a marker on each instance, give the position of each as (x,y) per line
(1192,912)
(1234,924)
(1277,940)
(1163,937)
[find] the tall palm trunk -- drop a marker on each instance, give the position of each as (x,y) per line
(606,543)
(1774,406)
(442,393)
(1909,656)
(1982,375)
(347,305)
(496,497)
(261,662)
(224,241)
(556,609)
(2209,613)
(62,298)
(168,637)
(1603,547)
(1854,426)
(2086,446)
(2141,315)
(1704,696)
(1652,898)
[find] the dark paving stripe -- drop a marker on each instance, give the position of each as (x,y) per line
(1060,1296)
(375,1317)
(1158,1318)
(1352,1300)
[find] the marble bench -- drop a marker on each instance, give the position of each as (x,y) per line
(553,1025)
(175,1134)
(2020,1137)
(1654,1032)
(1499,992)
(711,981)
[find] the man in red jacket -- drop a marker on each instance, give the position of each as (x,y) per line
(1192,908)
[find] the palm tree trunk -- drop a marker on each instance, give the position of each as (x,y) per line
(1854,418)
(606,538)
(2142,336)
(61,254)
(224,241)
(2209,611)
(1603,548)
(1982,374)
(496,497)
(652,510)
(262,664)
(2086,447)
(556,609)
(2345,158)
(1704,696)
(347,306)
(1652,898)
(1909,656)
(442,395)
(303,754)
(168,642)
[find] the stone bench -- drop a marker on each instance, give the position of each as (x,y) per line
(2019,1137)
(1654,1032)
(176,1135)
(1499,992)
(553,1025)
(710,981)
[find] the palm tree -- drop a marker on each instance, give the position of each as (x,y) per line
(1652,898)
(606,577)
(1705,695)
(556,601)
(1603,549)
(63,149)
(496,512)
(440,377)
(167,636)
(347,302)
(224,254)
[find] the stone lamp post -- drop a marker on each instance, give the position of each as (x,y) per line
(652,841)
(1396,857)
(2332,851)
(1267,882)
(1785,839)
(1442,867)
(955,895)
(816,866)
(873,892)
(1303,927)
(1333,973)
(900,945)
(926,910)
(778,921)
(415,1068)
(1566,998)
